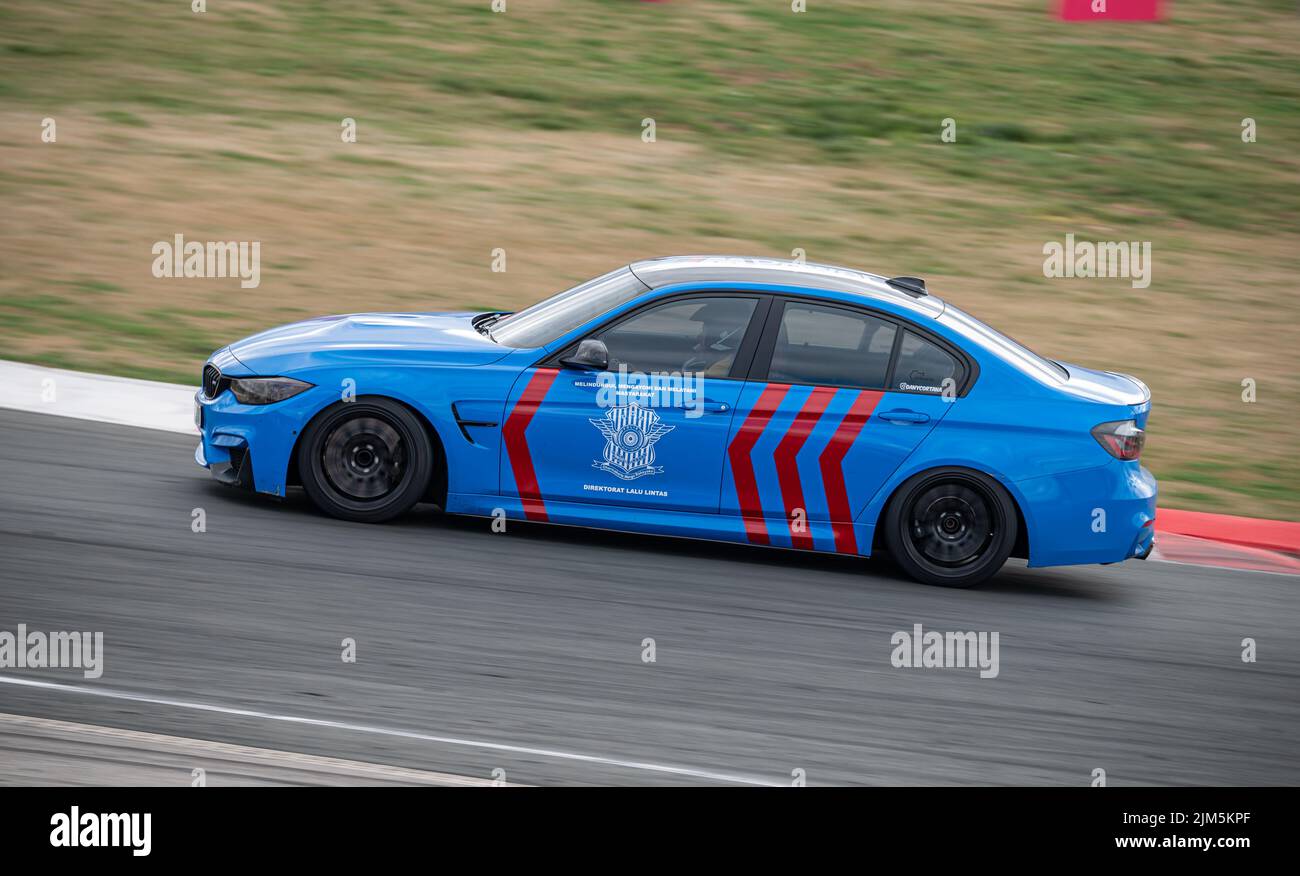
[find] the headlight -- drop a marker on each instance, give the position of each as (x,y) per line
(265,390)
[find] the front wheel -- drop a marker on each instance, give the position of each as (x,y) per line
(951,527)
(367,460)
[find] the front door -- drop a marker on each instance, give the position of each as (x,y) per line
(652,430)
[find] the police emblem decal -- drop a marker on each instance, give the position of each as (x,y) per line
(630,434)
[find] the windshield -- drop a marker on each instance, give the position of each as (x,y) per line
(560,314)
(1000,343)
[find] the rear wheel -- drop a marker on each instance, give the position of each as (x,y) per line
(951,527)
(368,460)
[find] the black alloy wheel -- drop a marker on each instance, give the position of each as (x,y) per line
(368,460)
(952,527)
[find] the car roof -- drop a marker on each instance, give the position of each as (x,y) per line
(669,271)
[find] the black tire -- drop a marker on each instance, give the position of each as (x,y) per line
(368,460)
(951,527)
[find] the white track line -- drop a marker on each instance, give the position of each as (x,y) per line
(147,404)
(109,693)
(1155,559)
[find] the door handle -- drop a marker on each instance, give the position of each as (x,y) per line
(713,407)
(902,415)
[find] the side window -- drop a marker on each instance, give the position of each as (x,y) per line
(691,335)
(923,366)
(831,346)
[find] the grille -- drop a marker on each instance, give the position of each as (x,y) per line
(211,381)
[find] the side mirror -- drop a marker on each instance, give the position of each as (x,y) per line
(591,355)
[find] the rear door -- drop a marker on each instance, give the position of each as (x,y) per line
(839,397)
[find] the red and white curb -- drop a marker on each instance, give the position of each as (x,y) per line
(1190,537)
(1228,542)
(1248,532)
(1190,551)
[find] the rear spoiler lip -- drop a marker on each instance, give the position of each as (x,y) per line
(1077,383)
(1146,390)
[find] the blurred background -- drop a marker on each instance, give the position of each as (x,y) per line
(773,131)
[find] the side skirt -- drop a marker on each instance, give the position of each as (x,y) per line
(648,521)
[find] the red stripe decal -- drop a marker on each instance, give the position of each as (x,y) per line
(787,467)
(742,467)
(831,462)
(515,433)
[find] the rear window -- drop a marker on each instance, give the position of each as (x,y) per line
(924,366)
(1010,348)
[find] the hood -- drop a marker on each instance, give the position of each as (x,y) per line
(368,339)
(1107,387)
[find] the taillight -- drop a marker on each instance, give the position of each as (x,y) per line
(1121,438)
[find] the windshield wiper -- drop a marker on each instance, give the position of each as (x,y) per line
(485,322)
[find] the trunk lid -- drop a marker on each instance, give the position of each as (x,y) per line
(1106,387)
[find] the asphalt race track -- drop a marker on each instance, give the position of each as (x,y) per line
(766,662)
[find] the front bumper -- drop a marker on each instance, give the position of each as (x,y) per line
(251,446)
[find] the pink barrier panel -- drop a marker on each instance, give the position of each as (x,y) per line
(1273,535)
(1110,10)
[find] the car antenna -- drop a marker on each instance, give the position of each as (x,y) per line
(913,286)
